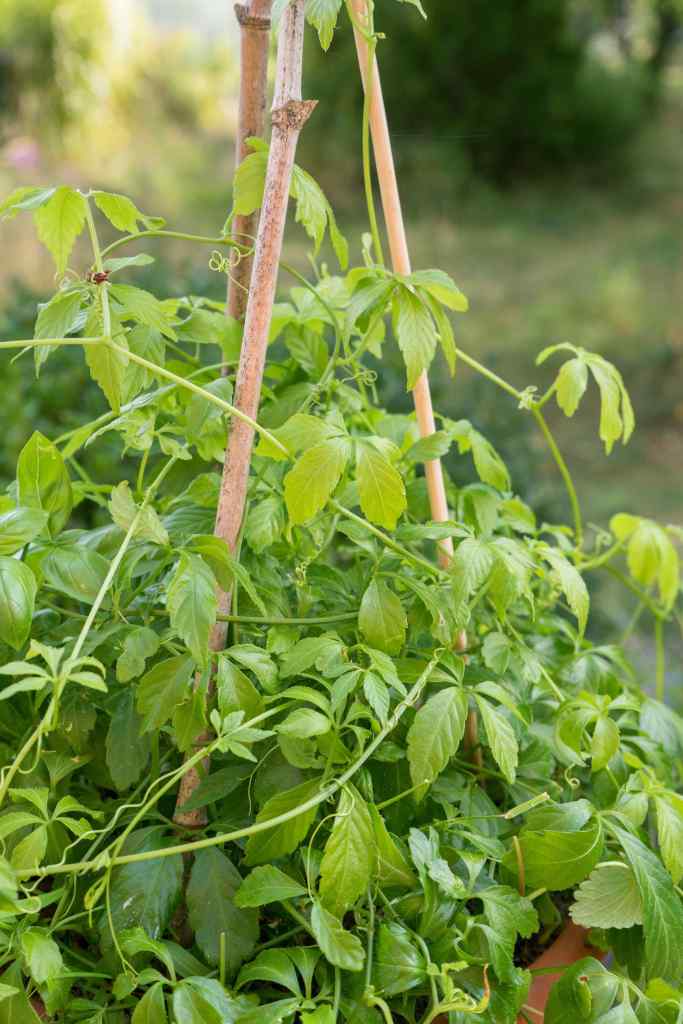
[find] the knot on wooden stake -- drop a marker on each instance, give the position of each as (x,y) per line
(247,20)
(294,115)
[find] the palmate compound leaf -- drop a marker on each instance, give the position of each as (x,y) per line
(213,912)
(313,478)
(608,898)
(349,855)
(651,554)
(617,420)
(436,734)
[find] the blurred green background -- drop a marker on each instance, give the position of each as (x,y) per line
(540,153)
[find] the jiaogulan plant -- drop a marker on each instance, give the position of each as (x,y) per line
(401,777)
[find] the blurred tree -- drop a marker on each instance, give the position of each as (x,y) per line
(513,85)
(50,52)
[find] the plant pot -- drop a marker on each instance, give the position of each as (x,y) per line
(570,945)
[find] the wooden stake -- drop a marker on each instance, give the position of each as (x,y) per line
(254,22)
(400,259)
(289,115)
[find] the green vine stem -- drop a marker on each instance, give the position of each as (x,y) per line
(243,833)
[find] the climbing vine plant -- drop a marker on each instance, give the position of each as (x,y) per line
(362,852)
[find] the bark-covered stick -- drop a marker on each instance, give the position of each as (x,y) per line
(289,114)
(254,21)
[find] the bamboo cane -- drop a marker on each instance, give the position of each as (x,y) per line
(400,259)
(254,22)
(289,114)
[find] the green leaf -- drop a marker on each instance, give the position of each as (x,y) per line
(380,487)
(436,734)
(489,465)
(192,605)
(381,618)
(312,650)
(56,319)
(313,478)
(669,808)
(140,644)
(123,510)
(304,723)
(340,948)
(393,868)
(556,860)
(584,991)
(145,893)
(162,689)
(29,853)
(508,914)
(267,884)
(15,1008)
(280,840)
(107,367)
(322,15)
(43,481)
(20,526)
(570,385)
(214,880)
(441,287)
(60,222)
(265,523)
(415,332)
(572,584)
(250,179)
(141,306)
(141,259)
(398,965)
(349,855)
(151,1009)
(652,556)
(75,570)
(608,898)
(123,213)
(126,750)
(236,692)
(17,600)
(662,909)
(501,738)
(604,742)
(42,955)
(205,1001)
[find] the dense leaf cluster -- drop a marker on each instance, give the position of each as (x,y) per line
(390,813)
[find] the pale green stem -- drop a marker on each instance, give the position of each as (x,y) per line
(565,474)
(660,672)
(261,826)
(388,542)
(183,382)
